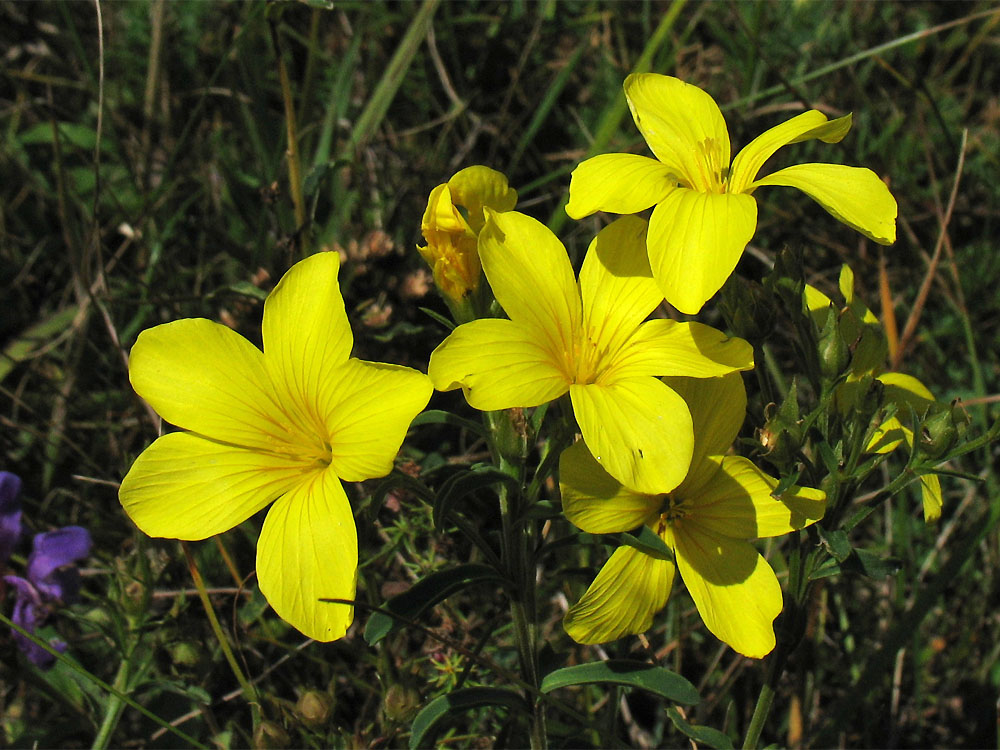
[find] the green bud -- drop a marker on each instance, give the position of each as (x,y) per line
(270,734)
(315,709)
(185,655)
(401,702)
(748,308)
(781,434)
(834,354)
(511,433)
(938,434)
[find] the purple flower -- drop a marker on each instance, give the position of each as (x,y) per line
(51,579)
(10,514)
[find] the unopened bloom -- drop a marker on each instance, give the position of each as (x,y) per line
(50,579)
(285,425)
(706,522)
(705,212)
(451,236)
(859,328)
(588,339)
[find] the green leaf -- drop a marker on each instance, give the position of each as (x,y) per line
(705,735)
(436,416)
(423,595)
(628,673)
(837,542)
(647,541)
(459,701)
(456,487)
(24,345)
(448,325)
(872,564)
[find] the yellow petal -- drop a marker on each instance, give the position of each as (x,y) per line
(735,501)
(638,429)
(307,551)
(718,407)
(888,436)
(906,389)
(683,127)
(666,347)
(930,491)
(206,378)
(619,183)
(184,486)
(306,334)
(616,284)
(531,277)
(499,364)
(803,127)
(596,502)
(694,242)
(368,407)
(733,587)
(478,186)
(629,590)
(852,195)
(451,246)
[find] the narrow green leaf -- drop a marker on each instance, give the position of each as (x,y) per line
(23,346)
(705,735)
(837,542)
(628,673)
(460,701)
(478,477)
(646,540)
(423,595)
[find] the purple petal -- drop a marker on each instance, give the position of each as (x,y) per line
(10,514)
(51,551)
(29,613)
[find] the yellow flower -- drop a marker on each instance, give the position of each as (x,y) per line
(705,210)
(589,339)
(723,502)
(451,237)
(859,328)
(283,425)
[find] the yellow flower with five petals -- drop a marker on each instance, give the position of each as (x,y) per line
(283,425)
(705,212)
(707,522)
(588,339)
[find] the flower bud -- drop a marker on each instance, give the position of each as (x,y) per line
(401,702)
(939,433)
(315,709)
(270,734)
(748,308)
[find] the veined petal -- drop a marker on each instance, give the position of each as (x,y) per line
(718,407)
(184,486)
(901,388)
(499,364)
(638,429)
(667,347)
(368,408)
(802,127)
(930,491)
(619,183)
(888,436)
(616,285)
(735,500)
(852,195)
(307,551)
(733,587)
(596,502)
(206,378)
(629,590)
(694,242)
(478,186)
(306,335)
(531,277)
(682,125)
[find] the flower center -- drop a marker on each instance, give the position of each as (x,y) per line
(712,173)
(674,509)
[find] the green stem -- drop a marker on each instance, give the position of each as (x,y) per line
(294,168)
(114,707)
(248,689)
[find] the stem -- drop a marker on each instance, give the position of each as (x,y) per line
(115,706)
(248,689)
(294,169)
